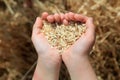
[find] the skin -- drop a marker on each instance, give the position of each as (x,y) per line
(62,17)
(71,16)
(44,15)
(75,58)
(48,58)
(57,18)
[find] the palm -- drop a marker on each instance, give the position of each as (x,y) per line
(82,45)
(86,41)
(40,43)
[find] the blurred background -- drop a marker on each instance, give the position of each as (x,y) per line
(18,56)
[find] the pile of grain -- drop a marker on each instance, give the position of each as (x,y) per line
(61,36)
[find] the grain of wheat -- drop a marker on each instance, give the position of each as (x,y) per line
(61,36)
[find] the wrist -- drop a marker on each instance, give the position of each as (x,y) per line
(79,66)
(45,74)
(48,66)
(76,55)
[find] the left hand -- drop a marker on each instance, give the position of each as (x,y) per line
(49,59)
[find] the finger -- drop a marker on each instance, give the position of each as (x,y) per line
(50,18)
(76,17)
(67,16)
(62,17)
(37,26)
(44,15)
(71,16)
(65,22)
(81,18)
(57,18)
(90,27)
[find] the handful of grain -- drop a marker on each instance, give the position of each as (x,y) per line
(61,36)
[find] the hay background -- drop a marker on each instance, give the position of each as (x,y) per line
(17,53)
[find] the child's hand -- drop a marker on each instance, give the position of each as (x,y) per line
(49,60)
(76,57)
(84,44)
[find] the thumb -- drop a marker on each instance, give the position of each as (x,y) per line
(90,27)
(37,26)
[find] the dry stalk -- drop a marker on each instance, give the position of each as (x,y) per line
(8,6)
(31,68)
(40,4)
